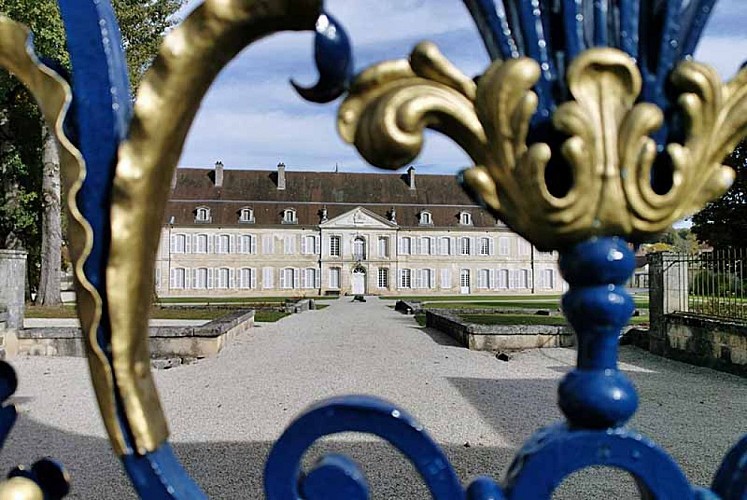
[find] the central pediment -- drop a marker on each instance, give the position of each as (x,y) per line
(359,217)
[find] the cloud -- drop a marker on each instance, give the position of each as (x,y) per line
(252,118)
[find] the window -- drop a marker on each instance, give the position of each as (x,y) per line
(310,278)
(359,248)
(405,245)
(334,278)
(485,246)
(334,246)
(446,278)
(383,246)
(464,280)
(268,244)
(201,243)
(503,245)
(201,278)
(518,278)
(465,218)
(289,245)
(222,244)
(289,216)
(547,278)
(268,275)
(247,244)
(426,219)
(424,278)
(222,278)
(445,245)
(310,245)
(179,243)
(524,247)
(483,278)
(502,278)
(246,215)
(287,278)
(383,277)
(178,278)
(247,278)
(426,247)
(202,214)
(405,278)
(464,246)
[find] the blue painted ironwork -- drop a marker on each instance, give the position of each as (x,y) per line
(334,60)
(596,398)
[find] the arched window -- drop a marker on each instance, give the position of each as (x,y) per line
(464,246)
(465,218)
(246,215)
(202,214)
(178,243)
(289,216)
(222,244)
(359,248)
(247,278)
(426,219)
(201,277)
(178,278)
(222,281)
(201,243)
(247,244)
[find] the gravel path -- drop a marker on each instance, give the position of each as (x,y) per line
(225,412)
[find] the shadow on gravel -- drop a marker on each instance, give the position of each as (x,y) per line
(234,470)
(439,337)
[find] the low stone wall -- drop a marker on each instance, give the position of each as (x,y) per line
(498,337)
(716,343)
(165,341)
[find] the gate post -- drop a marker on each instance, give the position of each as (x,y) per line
(12,297)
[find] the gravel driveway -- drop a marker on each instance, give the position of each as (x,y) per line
(225,412)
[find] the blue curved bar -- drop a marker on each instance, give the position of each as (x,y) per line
(283,476)
(731,479)
(554,453)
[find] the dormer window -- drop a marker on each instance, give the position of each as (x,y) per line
(246,215)
(465,218)
(426,219)
(202,214)
(289,216)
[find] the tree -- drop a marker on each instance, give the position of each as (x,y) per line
(723,223)
(28,152)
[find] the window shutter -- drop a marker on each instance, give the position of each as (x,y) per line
(399,278)
(304,249)
(317,278)
(210,277)
(195,244)
(232,278)
(345,247)
(232,244)
(432,278)
(172,280)
(282,278)
(317,245)
(452,245)
(253,278)
(491,246)
(400,245)
(296,272)
(210,246)
(173,243)
(252,244)
(303,279)
(473,245)
(187,278)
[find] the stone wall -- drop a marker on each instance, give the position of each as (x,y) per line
(13,286)
(165,342)
(499,337)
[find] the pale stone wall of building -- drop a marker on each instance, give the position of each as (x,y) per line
(328,259)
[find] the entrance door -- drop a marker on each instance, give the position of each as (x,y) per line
(358,281)
(464,281)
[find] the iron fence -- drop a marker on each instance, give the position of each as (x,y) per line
(709,283)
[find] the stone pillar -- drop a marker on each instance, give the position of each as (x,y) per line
(12,299)
(668,283)
(13,286)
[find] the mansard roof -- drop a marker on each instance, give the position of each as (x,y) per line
(309,192)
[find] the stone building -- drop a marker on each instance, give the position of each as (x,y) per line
(253,233)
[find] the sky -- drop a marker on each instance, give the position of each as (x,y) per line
(253,119)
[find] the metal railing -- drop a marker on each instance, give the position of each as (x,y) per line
(711,283)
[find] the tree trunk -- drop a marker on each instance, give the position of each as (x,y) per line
(49,281)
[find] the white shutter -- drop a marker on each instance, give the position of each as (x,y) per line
(345,247)
(400,246)
(415,246)
(172,278)
(195,244)
(432,278)
(210,243)
(317,245)
(253,278)
(473,245)
(282,278)
(304,249)
(267,281)
(317,278)
(436,246)
(232,244)
(252,244)
(493,279)
(303,279)
(452,245)
(399,278)
(173,243)
(491,246)
(187,278)
(232,278)
(296,272)
(210,277)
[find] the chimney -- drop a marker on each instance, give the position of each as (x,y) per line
(411,177)
(218,174)
(173,179)
(281,176)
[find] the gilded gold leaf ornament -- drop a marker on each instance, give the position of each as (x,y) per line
(54,96)
(20,488)
(168,98)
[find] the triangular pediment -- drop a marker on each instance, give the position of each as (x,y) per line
(359,217)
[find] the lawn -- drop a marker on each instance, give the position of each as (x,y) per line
(516,319)
(264,316)
(235,300)
(155,313)
(491,301)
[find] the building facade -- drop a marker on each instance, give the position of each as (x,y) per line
(254,233)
